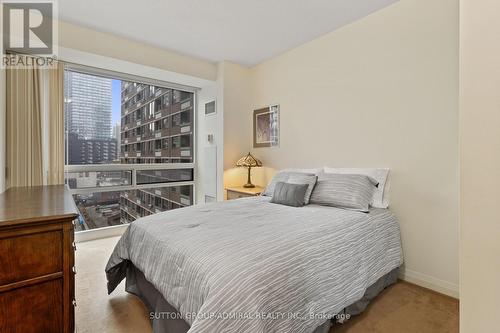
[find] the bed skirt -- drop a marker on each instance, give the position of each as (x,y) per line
(137,284)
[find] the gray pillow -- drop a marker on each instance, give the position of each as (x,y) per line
(289,194)
(310,180)
(345,191)
(281,176)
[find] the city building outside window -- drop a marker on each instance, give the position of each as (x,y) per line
(129,148)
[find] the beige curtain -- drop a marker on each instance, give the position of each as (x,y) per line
(35,101)
(24,127)
(55,172)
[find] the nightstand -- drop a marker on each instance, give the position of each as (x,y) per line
(243,192)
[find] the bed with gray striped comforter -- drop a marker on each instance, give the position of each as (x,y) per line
(234,261)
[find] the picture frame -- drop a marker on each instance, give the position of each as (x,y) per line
(266,126)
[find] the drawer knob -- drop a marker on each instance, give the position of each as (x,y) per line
(74,269)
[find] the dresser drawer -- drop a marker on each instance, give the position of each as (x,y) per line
(29,256)
(37,308)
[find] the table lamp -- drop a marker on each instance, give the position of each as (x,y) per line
(248,161)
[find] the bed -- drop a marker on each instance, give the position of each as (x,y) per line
(249,265)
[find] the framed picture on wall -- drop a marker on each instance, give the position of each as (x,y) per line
(266,123)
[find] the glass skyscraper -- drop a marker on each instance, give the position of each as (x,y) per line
(88,101)
(88,104)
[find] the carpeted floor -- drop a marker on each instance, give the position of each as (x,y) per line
(401,308)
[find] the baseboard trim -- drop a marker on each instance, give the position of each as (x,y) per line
(430,282)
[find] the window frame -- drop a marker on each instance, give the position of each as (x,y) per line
(133,168)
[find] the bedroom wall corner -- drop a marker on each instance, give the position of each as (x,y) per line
(235,86)
(380,92)
(479,165)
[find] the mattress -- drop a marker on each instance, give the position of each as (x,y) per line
(249,265)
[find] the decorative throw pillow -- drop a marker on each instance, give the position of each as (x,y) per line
(310,180)
(289,194)
(345,191)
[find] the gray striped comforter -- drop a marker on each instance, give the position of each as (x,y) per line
(251,266)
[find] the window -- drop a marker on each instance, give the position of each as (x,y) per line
(129,147)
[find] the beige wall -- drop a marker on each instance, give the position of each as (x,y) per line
(381,92)
(235,82)
(91,41)
(480,165)
(234,87)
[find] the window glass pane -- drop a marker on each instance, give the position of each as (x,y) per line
(88,179)
(110,121)
(98,210)
(164,176)
(104,209)
(115,121)
(144,202)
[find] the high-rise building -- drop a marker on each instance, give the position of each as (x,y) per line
(157,124)
(91,151)
(117,136)
(88,100)
(156,127)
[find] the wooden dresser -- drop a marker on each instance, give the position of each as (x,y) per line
(37,260)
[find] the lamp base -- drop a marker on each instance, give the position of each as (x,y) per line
(249,182)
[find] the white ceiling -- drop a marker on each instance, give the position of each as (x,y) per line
(242,31)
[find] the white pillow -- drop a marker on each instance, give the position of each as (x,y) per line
(315,171)
(282,176)
(380,198)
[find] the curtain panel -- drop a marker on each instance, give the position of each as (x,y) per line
(29,90)
(55,169)
(24,127)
